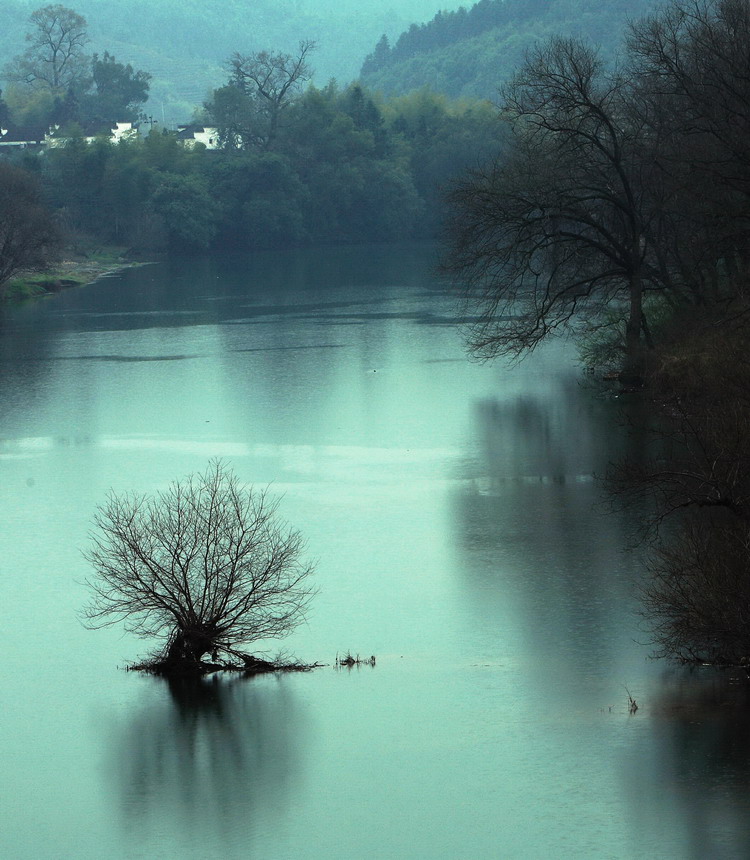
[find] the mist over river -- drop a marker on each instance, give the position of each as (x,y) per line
(459,535)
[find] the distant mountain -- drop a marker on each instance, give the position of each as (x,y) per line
(470,52)
(184,43)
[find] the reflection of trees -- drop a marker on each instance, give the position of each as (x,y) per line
(700,726)
(211,757)
(532,525)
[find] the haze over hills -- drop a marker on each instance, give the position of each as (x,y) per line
(460,51)
(470,52)
(184,43)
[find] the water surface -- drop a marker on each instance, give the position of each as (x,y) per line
(460,537)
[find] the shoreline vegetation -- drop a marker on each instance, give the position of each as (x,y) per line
(247,665)
(77,269)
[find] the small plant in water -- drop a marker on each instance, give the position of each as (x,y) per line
(350,660)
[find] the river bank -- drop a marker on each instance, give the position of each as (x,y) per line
(81,267)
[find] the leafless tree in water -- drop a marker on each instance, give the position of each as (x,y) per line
(207,564)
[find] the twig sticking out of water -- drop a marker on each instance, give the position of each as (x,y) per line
(632,704)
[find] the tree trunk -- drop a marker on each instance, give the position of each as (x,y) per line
(189,645)
(634,357)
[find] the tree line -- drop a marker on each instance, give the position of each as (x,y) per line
(296,164)
(320,166)
(620,210)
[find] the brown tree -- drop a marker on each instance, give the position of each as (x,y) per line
(207,564)
(55,56)
(268,81)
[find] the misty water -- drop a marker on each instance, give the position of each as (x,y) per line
(459,535)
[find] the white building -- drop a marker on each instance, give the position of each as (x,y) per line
(190,135)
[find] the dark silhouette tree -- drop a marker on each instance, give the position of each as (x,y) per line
(29,235)
(119,90)
(693,70)
(568,219)
(691,485)
(206,564)
(378,58)
(697,598)
(4,112)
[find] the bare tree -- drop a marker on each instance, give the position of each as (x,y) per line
(693,72)
(55,56)
(29,235)
(207,564)
(569,218)
(697,598)
(269,81)
(694,56)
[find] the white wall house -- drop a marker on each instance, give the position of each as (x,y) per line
(190,135)
(115,131)
(21,138)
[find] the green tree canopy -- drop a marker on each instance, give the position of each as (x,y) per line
(118,90)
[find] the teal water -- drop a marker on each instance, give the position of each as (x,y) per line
(460,536)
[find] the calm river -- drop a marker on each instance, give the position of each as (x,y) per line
(459,536)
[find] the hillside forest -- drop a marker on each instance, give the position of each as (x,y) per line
(469,52)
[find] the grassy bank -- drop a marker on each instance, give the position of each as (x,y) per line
(80,266)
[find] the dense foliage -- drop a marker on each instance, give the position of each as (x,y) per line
(470,52)
(342,168)
(296,163)
(29,235)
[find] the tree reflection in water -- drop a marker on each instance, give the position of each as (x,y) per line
(532,523)
(210,758)
(699,726)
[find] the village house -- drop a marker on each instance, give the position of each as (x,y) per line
(112,131)
(190,135)
(15,137)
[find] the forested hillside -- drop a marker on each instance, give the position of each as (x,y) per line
(185,44)
(470,52)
